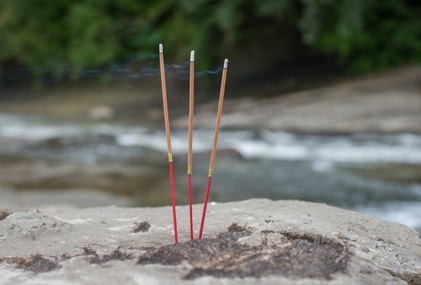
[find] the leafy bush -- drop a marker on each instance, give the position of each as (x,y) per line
(66,37)
(364,35)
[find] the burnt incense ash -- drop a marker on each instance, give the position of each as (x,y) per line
(235,253)
(190,142)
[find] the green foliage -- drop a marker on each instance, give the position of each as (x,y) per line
(364,35)
(58,35)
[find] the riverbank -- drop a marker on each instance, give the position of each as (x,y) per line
(289,241)
(387,102)
(382,103)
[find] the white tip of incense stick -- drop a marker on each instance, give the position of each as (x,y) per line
(192,55)
(226,63)
(161,48)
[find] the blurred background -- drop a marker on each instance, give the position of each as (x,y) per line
(323,102)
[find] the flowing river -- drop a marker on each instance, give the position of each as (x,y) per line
(376,174)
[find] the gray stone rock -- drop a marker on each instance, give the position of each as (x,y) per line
(250,242)
(383,103)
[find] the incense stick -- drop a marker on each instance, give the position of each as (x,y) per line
(190,144)
(215,142)
(168,135)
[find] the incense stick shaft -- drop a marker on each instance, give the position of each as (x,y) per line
(190,143)
(174,213)
(215,142)
(165,101)
(218,117)
(168,136)
(191,112)
(205,204)
(189,179)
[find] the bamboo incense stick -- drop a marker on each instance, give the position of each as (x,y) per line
(190,144)
(215,142)
(168,135)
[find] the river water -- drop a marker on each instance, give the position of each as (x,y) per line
(376,174)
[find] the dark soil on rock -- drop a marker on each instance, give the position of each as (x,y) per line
(36,263)
(141,227)
(300,256)
(3,215)
(116,254)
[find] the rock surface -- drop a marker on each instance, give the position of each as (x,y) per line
(256,241)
